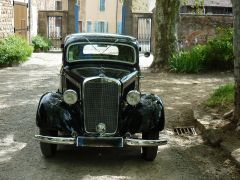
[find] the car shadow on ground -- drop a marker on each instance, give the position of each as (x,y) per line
(95,155)
(171,162)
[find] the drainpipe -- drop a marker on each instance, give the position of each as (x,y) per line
(76,13)
(29,19)
(123,17)
(116,16)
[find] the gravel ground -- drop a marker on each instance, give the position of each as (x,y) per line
(185,157)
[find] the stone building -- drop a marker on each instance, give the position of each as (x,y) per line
(140,6)
(21,16)
(6,18)
(137,21)
(44,5)
(209,7)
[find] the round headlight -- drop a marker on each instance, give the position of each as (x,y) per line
(133,97)
(70,96)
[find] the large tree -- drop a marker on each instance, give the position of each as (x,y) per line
(236,44)
(166,19)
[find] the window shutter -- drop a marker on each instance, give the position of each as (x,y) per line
(106,27)
(89,26)
(96,26)
(119,28)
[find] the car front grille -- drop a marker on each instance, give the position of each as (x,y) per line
(101,102)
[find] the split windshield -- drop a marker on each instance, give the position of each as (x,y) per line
(101,52)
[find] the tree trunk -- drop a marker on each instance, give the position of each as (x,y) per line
(166,18)
(236,44)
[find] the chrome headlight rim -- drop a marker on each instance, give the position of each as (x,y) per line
(133,97)
(70,97)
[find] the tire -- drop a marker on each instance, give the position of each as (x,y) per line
(150,153)
(48,150)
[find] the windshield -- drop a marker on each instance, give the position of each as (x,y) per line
(100,52)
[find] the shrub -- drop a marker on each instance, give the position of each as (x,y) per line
(223,96)
(188,61)
(41,43)
(219,51)
(14,49)
(217,54)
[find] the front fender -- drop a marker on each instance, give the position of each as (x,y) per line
(147,116)
(54,114)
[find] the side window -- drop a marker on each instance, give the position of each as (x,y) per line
(102,5)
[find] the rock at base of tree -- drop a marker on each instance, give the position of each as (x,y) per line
(228,115)
(238,129)
(213,137)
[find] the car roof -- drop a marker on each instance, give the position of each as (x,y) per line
(99,37)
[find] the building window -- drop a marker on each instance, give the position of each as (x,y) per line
(89,26)
(102,5)
(101,27)
(58,5)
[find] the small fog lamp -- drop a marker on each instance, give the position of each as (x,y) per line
(70,96)
(133,97)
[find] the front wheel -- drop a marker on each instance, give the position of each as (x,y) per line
(48,150)
(150,153)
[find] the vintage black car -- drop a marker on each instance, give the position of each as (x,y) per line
(99,103)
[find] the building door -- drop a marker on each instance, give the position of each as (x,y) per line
(144,33)
(20,19)
(55,31)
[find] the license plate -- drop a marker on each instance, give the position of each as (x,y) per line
(99,141)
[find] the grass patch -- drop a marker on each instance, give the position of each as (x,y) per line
(222,97)
(188,61)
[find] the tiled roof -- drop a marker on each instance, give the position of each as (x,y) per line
(216,3)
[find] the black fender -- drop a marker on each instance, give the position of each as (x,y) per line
(147,116)
(54,114)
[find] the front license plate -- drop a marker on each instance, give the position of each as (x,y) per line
(99,141)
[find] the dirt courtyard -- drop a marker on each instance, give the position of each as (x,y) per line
(185,157)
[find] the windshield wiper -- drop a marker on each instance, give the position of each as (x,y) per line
(92,45)
(109,46)
(97,49)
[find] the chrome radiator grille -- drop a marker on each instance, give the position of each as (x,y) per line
(101,102)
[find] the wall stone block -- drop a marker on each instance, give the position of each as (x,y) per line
(195,29)
(6,18)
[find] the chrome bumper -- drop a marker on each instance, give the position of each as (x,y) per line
(73,141)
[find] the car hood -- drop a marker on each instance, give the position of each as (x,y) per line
(99,71)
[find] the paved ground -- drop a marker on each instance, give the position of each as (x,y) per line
(183,158)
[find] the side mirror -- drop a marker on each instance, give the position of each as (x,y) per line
(147,54)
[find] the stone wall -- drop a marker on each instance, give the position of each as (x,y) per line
(6,18)
(195,29)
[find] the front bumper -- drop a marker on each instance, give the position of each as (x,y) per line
(100,141)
